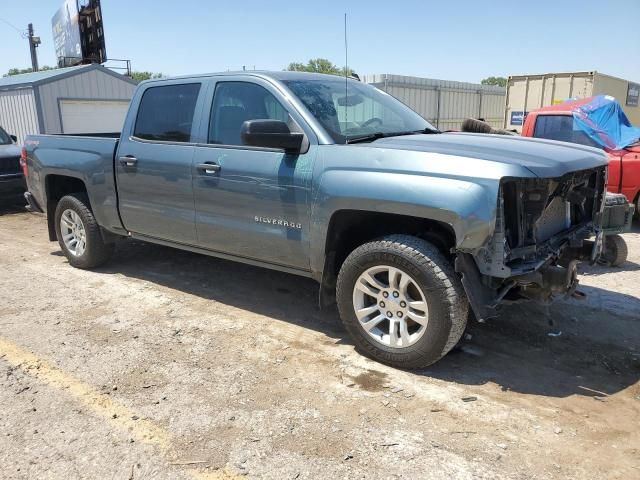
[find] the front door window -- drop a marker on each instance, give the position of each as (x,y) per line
(236,102)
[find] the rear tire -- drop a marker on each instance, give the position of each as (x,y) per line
(79,234)
(432,293)
(615,251)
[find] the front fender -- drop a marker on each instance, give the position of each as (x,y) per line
(468,207)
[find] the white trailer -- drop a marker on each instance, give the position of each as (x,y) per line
(529,92)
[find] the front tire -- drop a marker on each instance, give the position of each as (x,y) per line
(79,234)
(401,301)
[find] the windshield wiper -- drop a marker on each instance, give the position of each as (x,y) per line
(366,138)
(377,135)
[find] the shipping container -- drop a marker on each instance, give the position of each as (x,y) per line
(529,92)
(444,103)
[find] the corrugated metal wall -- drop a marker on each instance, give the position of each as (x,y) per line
(444,103)
(94,85)
(18,112)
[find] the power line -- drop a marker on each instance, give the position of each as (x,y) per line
(22,33)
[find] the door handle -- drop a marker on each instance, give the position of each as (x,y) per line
(209,168)
(128,161)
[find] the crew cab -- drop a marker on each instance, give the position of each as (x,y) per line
(556,122)
(325,177)
(11,176)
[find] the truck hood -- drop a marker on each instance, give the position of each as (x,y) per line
(543,158)
(9,151)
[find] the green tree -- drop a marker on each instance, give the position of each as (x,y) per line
(20,71)
(140,76)
(318,65)
(499,81)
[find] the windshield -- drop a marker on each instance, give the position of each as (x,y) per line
(5,139)
(363,111)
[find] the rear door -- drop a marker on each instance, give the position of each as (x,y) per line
(154,159)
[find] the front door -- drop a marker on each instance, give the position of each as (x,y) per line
(251,202)
(154,165)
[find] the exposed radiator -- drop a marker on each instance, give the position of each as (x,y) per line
(555,218)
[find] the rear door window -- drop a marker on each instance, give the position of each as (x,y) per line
(166,113)
(561,128)
(236,102)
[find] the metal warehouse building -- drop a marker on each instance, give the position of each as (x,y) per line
(444,103)
(82,99)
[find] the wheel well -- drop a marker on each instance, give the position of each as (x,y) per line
(56,187)
(348,229)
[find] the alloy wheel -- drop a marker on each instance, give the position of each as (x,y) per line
(73,233)
(390,306)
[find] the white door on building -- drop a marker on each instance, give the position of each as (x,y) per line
(93,116)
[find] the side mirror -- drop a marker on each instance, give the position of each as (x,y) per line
(271,134)
(13,137)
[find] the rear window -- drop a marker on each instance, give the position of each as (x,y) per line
(166,113)
(561,128)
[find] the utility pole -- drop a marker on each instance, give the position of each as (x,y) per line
(33,44)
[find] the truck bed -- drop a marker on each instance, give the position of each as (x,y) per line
(87,158)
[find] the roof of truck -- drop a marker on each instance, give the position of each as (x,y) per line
(275,75)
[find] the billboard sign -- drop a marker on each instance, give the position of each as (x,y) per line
(66,34)
(92,32)
(633,94)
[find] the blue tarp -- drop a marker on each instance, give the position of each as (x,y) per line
(604,121)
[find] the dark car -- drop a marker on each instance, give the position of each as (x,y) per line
(11,177)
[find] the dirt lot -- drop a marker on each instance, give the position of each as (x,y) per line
(166,364)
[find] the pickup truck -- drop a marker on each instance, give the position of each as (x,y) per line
(402,226)
(556,122)
(11,177)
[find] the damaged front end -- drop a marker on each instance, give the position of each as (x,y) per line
(542,231)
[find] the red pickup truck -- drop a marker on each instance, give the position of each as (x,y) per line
(557,122)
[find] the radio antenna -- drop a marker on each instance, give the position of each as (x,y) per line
(346,75)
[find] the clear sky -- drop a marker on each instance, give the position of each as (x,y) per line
(460,40)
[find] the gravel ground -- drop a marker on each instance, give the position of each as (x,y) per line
(165,364)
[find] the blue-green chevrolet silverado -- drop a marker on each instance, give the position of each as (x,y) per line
(403,226)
